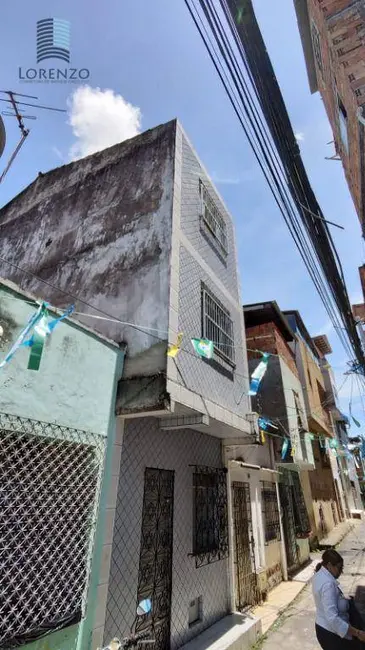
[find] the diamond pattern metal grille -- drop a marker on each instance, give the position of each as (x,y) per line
(49,489)
(146,445)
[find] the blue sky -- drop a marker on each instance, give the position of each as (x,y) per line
(151,54)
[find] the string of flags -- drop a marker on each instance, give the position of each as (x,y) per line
(38,328)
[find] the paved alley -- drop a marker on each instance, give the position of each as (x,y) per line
(296,624)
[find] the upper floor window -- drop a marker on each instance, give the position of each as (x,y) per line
(342,120)
(316,41)
(213,219)
(217,325)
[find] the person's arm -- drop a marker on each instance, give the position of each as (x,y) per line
(329,595)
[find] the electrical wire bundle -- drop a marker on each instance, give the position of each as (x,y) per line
(234,42)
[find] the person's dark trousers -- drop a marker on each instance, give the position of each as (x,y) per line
(356,621)
(330,641)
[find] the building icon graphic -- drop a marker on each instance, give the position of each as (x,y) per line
(53,39)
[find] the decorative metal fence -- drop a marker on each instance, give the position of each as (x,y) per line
(50,480)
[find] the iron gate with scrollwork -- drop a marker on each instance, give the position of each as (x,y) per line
(155,560)
(247,592)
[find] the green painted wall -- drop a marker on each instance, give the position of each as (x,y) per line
(74,387)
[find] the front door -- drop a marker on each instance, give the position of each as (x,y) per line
(287,505)
(246,578)
(155,560)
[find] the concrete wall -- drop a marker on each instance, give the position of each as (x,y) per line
(75,382)
(145,445)
(75,387)
(199,261)
(302,444)
(100,228)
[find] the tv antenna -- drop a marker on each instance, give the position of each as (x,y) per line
(17,112)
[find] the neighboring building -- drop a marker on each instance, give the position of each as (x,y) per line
(59,451)
(356,447)
(359,309)
(343,468)
(333,39)
(139,232)
(280,399)
(319,487)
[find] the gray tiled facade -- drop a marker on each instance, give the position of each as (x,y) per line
(146,445)
(219,274)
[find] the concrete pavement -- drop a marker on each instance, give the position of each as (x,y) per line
(296,624)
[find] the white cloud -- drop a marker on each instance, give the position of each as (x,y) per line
(299,136)
(99,119)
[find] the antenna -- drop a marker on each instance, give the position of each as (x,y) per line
(11,98)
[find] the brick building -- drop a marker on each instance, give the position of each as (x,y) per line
(333,39)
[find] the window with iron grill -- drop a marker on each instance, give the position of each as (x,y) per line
(301,519)
(316,40)
(213,219)
(210,535)
(217,325)
(301,429)
(50,477)
(270,511)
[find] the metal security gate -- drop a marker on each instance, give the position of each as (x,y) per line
(247,592)
(286,500)
(155,560)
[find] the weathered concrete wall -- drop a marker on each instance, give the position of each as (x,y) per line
(100,228)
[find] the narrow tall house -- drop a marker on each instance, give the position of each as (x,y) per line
(321,488)
(333,39)
(140,235)
(281,400)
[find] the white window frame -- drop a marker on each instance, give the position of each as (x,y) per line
(217,327)
(213,219)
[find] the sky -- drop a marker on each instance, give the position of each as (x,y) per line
(148,65)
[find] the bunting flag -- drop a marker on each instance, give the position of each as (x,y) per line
(262,436)
(356,421)
(333,444)
(312,436)
(33,320)
(42,329)
(284,449)
(293,451)
(258,374)
(322,442)
(174,350)
(363,449)
(203,347)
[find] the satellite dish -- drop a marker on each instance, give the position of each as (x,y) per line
(2,136)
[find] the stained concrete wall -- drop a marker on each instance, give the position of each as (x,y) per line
(100,229)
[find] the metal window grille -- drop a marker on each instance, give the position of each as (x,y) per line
(49,492)
(302,524)
(316,40)
(270,511)
(302,436)
(210,535)
(213,218)
(217,325)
